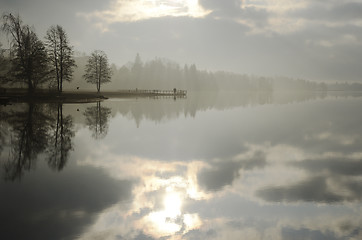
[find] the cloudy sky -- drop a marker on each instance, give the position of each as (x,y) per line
(315,40)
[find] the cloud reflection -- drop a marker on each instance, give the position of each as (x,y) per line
(161,192)
(169,202)
(283,178)
(223,172)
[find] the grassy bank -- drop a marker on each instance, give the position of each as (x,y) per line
(46,96)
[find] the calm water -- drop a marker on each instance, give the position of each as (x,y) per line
(211,166)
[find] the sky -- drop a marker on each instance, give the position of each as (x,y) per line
(311,39)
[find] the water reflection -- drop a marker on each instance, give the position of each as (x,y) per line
(35,129)
(29,138)
(255,171)
(263,172)
(61,136)
(161,198)
(171,218)
(97,118)
(160,110)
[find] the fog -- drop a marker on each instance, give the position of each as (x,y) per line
(257,134)
(318,41)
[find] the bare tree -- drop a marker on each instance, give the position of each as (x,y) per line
(97,69)
(29,63)
(3,65)
(136,70)
(2,58)
(60,53)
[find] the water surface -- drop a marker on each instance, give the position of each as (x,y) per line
(212,166)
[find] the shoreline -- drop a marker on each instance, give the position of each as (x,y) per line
(49,97)
(21,95)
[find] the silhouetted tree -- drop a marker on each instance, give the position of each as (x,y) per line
(2,58)
(60,142)
(30,137)
(29,62)
(1,51)
(97,69)
(3,65)
(60,54)
(97,118)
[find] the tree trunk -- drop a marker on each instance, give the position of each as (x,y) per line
(30,87)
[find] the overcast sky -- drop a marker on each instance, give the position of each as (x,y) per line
(311,39)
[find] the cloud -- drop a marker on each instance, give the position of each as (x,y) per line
(226,7)
(304,233)
(330,11)
(343,229)
(341,166)
(285,16)
(137,10)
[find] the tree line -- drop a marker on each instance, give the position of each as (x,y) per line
(163,73)
(34,63)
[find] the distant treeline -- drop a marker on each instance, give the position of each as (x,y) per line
(345,86)
(165,74)
(34,64)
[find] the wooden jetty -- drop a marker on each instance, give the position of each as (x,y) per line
(22,95)
(149,93)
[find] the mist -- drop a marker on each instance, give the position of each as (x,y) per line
(187,119)
(310,40)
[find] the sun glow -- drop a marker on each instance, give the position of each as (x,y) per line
(172,203)
(136,10)
(159,196)
(170,219)
(167,221)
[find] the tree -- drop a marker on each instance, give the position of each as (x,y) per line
(60,54)
(2,58)
(137,70)
(3,65)
(97,69)
(29,62)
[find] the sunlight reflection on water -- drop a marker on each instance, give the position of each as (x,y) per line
(273,171)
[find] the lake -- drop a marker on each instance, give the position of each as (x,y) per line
(209,166)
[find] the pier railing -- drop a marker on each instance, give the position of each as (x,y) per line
(155,92)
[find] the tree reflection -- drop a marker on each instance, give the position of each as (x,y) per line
(30,137)
(3,129)
(61,136)
(38,129)
(97,118)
